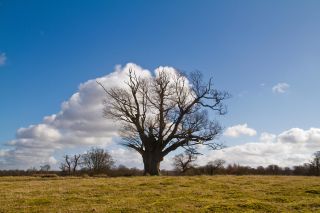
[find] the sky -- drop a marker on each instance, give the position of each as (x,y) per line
(265,53)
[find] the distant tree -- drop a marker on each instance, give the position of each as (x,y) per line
(75,162)
(287,171)
(236,169)
(65,166)
(183,162)
(45,168)
(315,164)
(214,166)
(302,169)
(260,170)
(164,112)
(97,160)
(70,164)
(273,169)
(32,169)
(122,168)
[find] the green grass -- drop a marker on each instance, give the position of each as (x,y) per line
(161,194)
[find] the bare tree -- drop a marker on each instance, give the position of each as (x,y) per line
(70,164)
(75,162)
(213,166)
(162,113)
(97,160)
(315,164)
(45,168)
(66,165)
(183,162)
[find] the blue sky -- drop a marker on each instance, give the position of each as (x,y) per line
(49,47)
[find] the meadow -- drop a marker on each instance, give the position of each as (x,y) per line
(160,194)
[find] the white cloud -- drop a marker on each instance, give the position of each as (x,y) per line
(291,147)
(52,160)
(39,132)
(267,137)
(3,59)
(280,88)
(126,157)
(80,123)
(294,135)
(239,130)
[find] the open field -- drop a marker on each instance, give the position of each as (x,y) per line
(161,194)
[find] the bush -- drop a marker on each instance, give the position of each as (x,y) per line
(101,175)
(46,175)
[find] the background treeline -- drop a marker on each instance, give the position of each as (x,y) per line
(184,165)
(98,162)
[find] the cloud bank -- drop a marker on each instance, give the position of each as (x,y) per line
(291,147)
(80,123)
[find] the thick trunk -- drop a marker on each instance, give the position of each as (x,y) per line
(151,161)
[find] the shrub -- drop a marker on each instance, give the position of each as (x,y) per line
(46,175)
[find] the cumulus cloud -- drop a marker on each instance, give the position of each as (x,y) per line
(239,130)
(77,126)
(3,59)
(294,135)
(291,147)
(80,123)
(280,88)
(126,157)
(267,137)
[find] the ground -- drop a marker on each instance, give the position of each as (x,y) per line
(161,194)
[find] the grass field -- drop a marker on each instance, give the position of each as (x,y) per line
(161,194)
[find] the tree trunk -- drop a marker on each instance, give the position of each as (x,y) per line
(151,161)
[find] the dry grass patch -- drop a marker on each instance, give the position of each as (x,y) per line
(161,194)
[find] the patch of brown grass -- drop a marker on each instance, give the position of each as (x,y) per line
(160,194)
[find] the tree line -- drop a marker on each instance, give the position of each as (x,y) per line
(98,162)
(184,165)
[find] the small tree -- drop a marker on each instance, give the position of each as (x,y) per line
(32,169)
(273,169)
(213,166)
(66,165)
(97,160)
(70,164)
(315,164)
(75,162)
(164,112)
(183,162)
(45,168)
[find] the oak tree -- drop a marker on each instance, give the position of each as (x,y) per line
(164,112)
